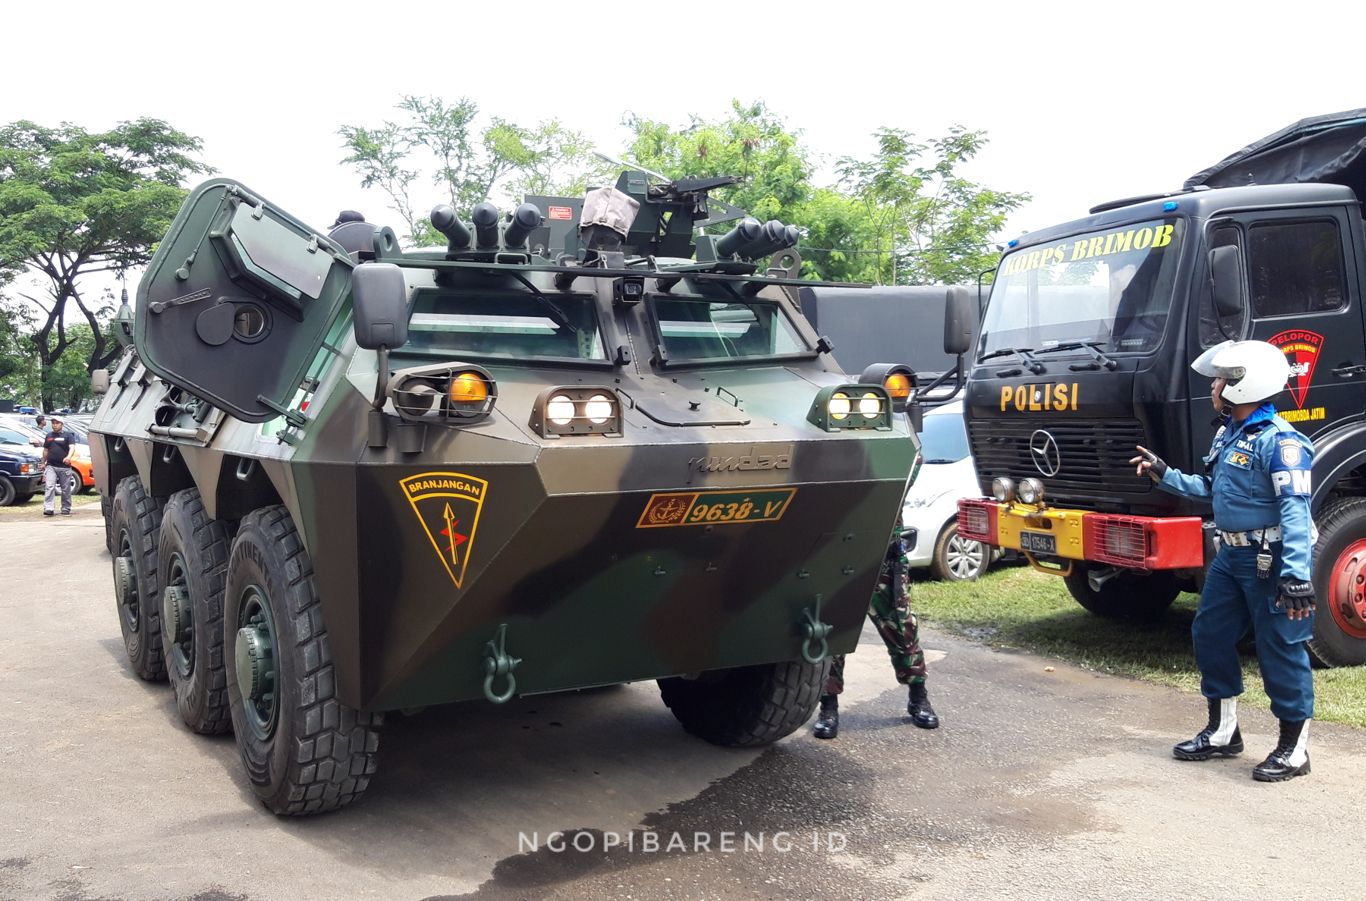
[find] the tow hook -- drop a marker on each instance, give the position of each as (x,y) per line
(498,663)
(815,632)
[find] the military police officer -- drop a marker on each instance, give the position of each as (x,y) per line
(1257,475)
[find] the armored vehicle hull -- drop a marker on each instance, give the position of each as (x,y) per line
(532,485)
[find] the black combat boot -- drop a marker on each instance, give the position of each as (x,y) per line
(828,723)
(1220,738)
(922,714)
(1291,757)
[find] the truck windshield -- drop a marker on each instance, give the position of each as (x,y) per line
(698,328)
(1110,287)
(505,325)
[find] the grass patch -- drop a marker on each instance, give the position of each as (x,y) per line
(1016,607)
(33,507)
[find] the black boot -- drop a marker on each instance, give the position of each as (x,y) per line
(828,723)
(922,714)
(1220,738)
(1291,757)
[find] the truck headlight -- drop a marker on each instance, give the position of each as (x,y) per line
(839,407)
(577,410)
(1031,491)
(1003,489)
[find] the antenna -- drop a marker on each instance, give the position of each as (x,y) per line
(616,162)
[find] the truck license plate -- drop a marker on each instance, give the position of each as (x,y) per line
(1038,543)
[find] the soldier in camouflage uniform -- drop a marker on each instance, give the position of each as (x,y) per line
(890,611)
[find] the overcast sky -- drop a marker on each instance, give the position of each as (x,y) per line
(1082,102)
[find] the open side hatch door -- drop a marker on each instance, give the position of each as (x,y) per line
(237,300)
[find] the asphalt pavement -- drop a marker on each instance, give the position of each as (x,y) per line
(1040,784)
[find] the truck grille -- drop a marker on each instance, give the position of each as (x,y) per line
(1094,455)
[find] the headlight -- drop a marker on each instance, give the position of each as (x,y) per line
(577,410)
(840,407)
(598,409)
(23,468)
(1003,489)
(1031,491)
(468,388)
(560,410)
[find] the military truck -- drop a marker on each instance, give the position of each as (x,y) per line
(344,478)
(1085,352)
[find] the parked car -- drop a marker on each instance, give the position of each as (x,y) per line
(13,431)
(20,474)
(931,506)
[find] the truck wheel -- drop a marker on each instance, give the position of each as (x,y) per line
(134,523)
(304,751)
(747,706)
(1127,596)
(1340,580)
(192,561)
(958,559)
(7,492)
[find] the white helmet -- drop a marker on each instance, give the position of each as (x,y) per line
(1255,371)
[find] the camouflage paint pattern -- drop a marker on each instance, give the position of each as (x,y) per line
(551,545)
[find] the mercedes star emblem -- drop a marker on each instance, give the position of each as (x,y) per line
(1043,448)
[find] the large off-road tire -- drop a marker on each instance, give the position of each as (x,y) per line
(1340,581)
(1127,596)
(958,559)
(7,492)
(135,524)
(192,566)
(304,751)
(747,706)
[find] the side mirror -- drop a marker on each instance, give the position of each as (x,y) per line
(957,321)
(99,381)
(379,297)
(1226,279)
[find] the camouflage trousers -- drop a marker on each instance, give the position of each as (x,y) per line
(890,611)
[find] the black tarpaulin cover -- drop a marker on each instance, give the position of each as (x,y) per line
(1324,149)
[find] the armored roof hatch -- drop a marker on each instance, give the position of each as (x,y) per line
(237,300)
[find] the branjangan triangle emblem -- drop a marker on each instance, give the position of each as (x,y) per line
(448,505)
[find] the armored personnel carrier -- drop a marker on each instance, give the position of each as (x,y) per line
(561,451)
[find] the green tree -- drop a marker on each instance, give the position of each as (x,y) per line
(68,381)
(751,141)
(933,224)
(467,164)
(74,203)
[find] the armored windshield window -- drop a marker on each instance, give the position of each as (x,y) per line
(698,328)
(505,325)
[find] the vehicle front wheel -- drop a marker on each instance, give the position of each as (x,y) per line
(134,524)
(304,751)
(7,492)
(192,562)
(1126,596)
(748,706)
(1340,581)
(958,559)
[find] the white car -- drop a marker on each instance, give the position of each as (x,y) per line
(931,506)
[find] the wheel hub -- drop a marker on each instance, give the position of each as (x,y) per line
(176,615)
(256,657)
(1347,590)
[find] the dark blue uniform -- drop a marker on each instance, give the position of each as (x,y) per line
(1257,474)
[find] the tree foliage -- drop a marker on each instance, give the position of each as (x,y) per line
(468,164)
(74,203)
(933,223)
